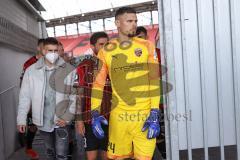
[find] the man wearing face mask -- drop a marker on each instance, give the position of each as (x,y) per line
(27,139)
(47,86)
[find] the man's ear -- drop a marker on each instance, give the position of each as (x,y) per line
(92,47)
(44,52)
(117,23)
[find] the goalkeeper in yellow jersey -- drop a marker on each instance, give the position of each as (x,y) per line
(133,69)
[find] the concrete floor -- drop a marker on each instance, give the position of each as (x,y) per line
(197,154)
(38,145)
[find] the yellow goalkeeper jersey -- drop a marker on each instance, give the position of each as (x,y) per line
(134,72)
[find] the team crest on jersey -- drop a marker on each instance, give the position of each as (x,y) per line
(138,52)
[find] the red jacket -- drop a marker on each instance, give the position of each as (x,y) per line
(27,64)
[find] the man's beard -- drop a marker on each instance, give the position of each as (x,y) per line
(130,35)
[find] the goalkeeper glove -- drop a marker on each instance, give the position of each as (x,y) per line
(97,119)
(152,124)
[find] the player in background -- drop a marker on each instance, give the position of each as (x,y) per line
(85,74)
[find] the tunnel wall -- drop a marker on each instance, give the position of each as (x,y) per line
(11,65)
(19,31)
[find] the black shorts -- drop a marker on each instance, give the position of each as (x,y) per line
(92,143)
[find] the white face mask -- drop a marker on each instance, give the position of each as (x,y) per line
(52,57)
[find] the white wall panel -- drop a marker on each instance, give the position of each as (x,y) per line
(201,47)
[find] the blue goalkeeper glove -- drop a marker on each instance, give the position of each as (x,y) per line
(152,124)
(97,119)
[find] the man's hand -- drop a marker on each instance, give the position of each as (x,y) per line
(152,124)
(80,127)
(97,119)
(21,128)
(32,128)
(61,123)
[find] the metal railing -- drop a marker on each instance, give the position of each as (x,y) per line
(8,89)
